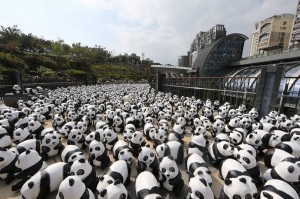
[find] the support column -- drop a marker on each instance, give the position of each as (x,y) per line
(267,88)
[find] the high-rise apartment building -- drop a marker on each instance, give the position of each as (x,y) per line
(271,34)
(203,39)
(295,37)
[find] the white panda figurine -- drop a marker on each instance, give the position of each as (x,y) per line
(232,124)
(29,163)
(31,144)
(46,181)
(127,134)
(5,138)
(237,136)
(170,175)
(279,189)
(147,161)
(163,124)
(279,136)
(149,131)
(94,135)
(71,153)
(21,134)
(51,145)
(113,191)
(121,151)
(77,138)
(58,121)
(137,141)
(120,170)
(196,166)
(85,172)
(118,124)
(177,133)
(171,148)
(287,170)
(249,148)
(103,182)
(290,147)
(218,127)
(149,188)
(109,138)
(73,187)
(160,137)
(198,188)
(198,145)
(254,140)
(274,156)
(231,168)
(240,187)
(36,128)
(219,151)
(98,155)
(66,129)
(8,160)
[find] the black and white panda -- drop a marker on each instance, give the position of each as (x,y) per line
(137,141)
(254,140)
(21,134)
(237,136)
(198,188)
(239,187)
(177,133)
(218,127)
(98,155)
(219,151)
(291,147)
(264,126)
(222,137)
(251,149)
(279,189)
(121,151)
(120,170)
(77,138)
(274,156)
(51,145)
(71,153)
(231,168)
(5,138)
(85,172)
(196,166)
(73,187)
(35,127)
(45,181)
(287,170)
(7,164)
(146,189)
(149,131)
(29,163)
(30,91)
(160,137)
(279,136)
(171,148)
(118,124)
(170,176)
(147,161)
(22,122)
(109,138)
(103,182)
(31,144)
(114,190)
(66,129)
(198,145)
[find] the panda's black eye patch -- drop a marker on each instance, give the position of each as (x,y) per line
(74,136)
(199,195)
(225,146)
(91,149)
(80,172)
(237,197)
(163,170)
(97,148)
(109,134)
(18,134)
(172,169)
(151,154)
(246,160)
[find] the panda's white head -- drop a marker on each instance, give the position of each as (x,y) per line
(199,189)
(96,148)
(27,159)
(33,125)
(57,120)
(246,159)
(273,114)
(240,187)
(245,122)
(222,137)
(163,124)
(168,167)
(237,136)
(295,118)
(125,154)
(253,113)
(114,190)
(178,128)
(82,126)
(254,140)
(104,181)
(280,117)
(137,138)
(219,125)
(52,138)
(232,113)
(197,122)
(72,115)
(6,157)
(161,135)
(288,170)
(181,121)
(75,134)
(81,168)
(127,134)
(20,134)
(66,129)
(286,125)
(109,135)
(207,124)
(71,187)
(146,155)
(117,121)
(200,130)
(225,148)
(149,120)
(204,172)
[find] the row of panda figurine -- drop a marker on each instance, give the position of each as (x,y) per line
(217,151)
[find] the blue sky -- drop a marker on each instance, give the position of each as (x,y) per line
(162,29)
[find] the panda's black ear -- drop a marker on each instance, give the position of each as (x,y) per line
(228,182)
(243,180)
(291,169)
(171,157)
(103,193)
(249,151)
(117,182)
(203,181)
(27,152)
(160,159)
(71,182)
(30,185)
(101,178)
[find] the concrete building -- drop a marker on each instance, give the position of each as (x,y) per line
(295,37)
(272,34)
(183,60)
(204,39)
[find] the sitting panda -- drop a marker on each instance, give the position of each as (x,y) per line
(73,187)
(121,151)
(160,137)
(137,141)
(171,148)
(149,188)
(147,161)
(46,181)
(51,145)
(109,138)
(103,182)
(219,151)
(76,137)
(198,145)
(170,176)
(198,188)
(21,134)
(177,134)
(36,128)
(29,163)
(98,155)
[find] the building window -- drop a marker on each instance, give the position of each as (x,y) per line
(284,23)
